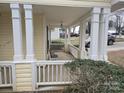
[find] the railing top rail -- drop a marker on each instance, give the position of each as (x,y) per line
(52,62)
(35,61)
(6,63)
(74,47)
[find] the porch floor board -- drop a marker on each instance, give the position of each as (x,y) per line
(62,55)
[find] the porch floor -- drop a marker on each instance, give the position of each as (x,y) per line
(62,55)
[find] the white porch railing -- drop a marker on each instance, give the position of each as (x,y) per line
(74,51)
(52,73)
(6,75)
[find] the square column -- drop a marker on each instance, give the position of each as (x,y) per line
(69,39)
(17,32)
(83,53)
(29,32)
(49,36)
(66,41)
(44,38)
(94,33)
(103,34)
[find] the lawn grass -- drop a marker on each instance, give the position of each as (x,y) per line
(119,39)
(74,40)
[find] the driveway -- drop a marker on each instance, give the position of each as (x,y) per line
(117,46)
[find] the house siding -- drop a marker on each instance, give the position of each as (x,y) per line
(6,36)
(23,77)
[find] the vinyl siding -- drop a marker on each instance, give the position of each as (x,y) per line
(24,77)
(6,36)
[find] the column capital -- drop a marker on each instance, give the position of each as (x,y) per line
(27,6)
(15,8)
(14,5)
(96,10)
(28,11)
(106,11)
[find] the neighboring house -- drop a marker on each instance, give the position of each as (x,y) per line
(25,27)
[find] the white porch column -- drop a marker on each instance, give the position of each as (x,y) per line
(29,32)
(94,33)
(66,42)
(83,53)
(103,34)
(49,36)
(17,32)
(44,38)
(69,39)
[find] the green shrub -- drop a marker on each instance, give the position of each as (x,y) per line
(90,76)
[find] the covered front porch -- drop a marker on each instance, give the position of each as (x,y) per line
(25,43)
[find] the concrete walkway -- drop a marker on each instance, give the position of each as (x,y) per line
(61,55)
(117,46)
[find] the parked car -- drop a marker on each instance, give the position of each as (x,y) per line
(111,40)
(74,34)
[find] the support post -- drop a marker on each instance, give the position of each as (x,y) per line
(29,32)
(82,40)
(44,38)
(69,37)
(103,34)
(94,33)
(17,32)
(66,44)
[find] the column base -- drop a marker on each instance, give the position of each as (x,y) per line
(30,58)
(18,57)
(94,57)
(66,48)
(103,57)
(83,54)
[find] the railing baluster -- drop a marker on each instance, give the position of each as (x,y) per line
(39,73)
(5,77)
(10,75)
(48,73)
(56,72)
(68,74)
(0,76)
(64,74)
(52,73)
(61,72)
(43,73)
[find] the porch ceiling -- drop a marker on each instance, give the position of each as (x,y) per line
(117,6)
(57,14)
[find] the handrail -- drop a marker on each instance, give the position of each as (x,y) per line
(52,61)
(74,47)
(74,50)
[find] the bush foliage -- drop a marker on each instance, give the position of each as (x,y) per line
(90,76)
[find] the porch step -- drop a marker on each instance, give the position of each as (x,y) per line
(51,88)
